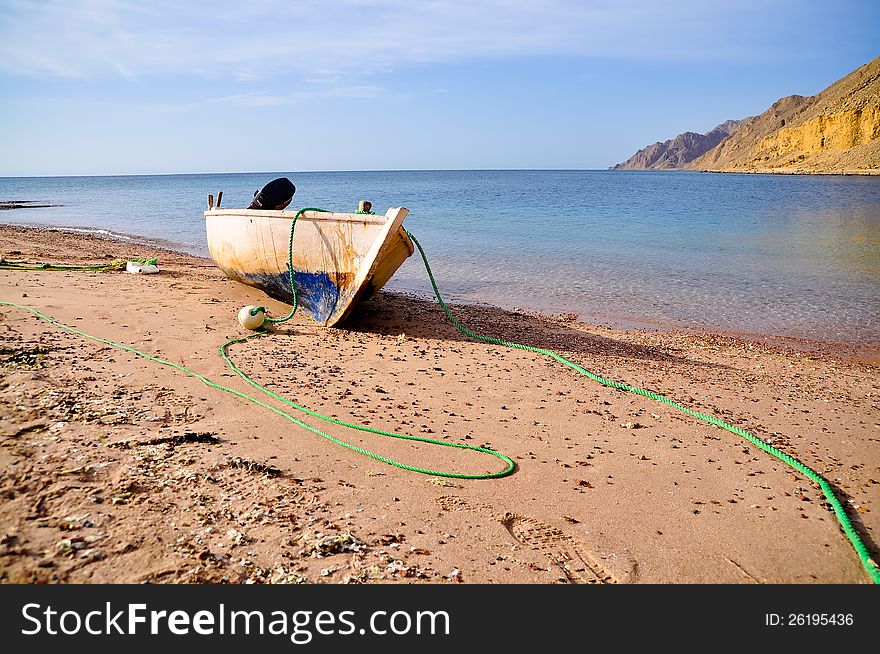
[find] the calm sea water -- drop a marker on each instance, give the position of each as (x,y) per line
(779,255)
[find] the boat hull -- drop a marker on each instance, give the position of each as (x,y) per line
(338,259)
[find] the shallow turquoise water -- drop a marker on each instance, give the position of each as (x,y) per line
(780,255)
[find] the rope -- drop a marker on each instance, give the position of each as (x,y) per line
(439,473)
(861,549)
(223,352)
(293,308)
(870,566)
(116,264)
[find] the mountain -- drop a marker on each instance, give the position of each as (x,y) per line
(677,152)
(836,131)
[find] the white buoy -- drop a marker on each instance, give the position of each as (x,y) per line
(252,317)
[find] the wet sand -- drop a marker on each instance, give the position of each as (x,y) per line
(116,469)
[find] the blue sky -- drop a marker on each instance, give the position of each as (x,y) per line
(125,87)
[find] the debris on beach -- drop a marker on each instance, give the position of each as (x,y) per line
(391,539)
(399,568)
(330,545)
(172,440)
(237,537)
(186,437)
(455,575)
(24,358)
(254,467)
(446,483)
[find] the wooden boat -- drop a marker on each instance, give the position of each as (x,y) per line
(339,259)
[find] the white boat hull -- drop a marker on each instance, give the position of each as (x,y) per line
(338,259)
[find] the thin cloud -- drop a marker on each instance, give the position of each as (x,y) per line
(247,76)
(260,38)
(265,99)
(123,70)
(253,99)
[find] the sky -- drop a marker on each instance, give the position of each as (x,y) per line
(154,87)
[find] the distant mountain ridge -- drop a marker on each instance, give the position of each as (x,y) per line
(679,151)
(836,131)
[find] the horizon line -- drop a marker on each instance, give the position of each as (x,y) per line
(366,170)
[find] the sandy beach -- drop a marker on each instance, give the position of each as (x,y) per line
(117,469)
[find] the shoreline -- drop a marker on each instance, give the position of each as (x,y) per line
(864,352)
(854,172)
(118,470)
(160,244)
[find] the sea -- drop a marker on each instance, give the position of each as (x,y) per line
(776,255)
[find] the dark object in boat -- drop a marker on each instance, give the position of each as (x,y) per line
(277,194)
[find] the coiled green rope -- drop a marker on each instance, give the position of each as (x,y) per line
(861,549)
(223,352)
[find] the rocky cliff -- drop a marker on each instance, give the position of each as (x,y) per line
(677,152)
(836,131)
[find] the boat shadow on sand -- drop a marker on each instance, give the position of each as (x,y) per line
(391,313)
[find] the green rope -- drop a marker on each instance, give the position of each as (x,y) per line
(456,475)
(861,549)
(293,308)
(116,264)
(223,352)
